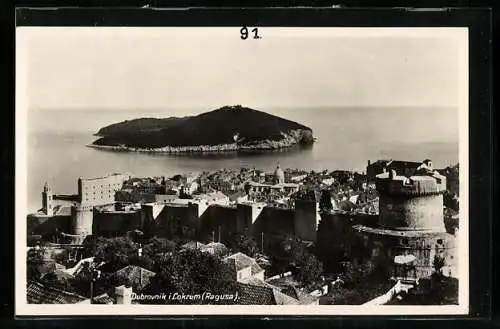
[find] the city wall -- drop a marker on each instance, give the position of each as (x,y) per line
(116,222)
(47,226)
(306,220)
(335,236)
(380,247)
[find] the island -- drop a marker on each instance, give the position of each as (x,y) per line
(227,129)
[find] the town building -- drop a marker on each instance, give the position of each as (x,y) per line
(100,191)
(405,168)
(245,268)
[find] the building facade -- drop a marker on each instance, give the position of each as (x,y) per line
(100,191)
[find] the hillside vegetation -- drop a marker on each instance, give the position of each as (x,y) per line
(210,128)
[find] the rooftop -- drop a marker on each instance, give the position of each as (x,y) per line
(104,299)
(137,275)
(193,245)
(250,294)
(102,177)
(242,261)
(38,293)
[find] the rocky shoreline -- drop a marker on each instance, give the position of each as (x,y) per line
(221,148)
(289,140)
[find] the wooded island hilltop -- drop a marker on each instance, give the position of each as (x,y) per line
(230,128)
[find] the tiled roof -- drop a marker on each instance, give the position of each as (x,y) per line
(104,299)
(290,291)
(254,295)
(38,293)
(303,298)
(283,282)
(139,277)
(242,261)
(250,294)
(288,286)
(258,292)
(257,282)
(193,245)
(283,299)
(216,247)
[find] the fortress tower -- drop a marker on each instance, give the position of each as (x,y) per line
(279,175)
(411,203)
(47,200)
(82,217)
(410,232)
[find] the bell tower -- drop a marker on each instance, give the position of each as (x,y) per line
(47,201)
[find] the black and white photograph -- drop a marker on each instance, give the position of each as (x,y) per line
(241,170)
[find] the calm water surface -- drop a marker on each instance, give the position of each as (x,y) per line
(346,139)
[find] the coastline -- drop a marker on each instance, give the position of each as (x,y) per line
(200,149)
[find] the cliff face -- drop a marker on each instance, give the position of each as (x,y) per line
(254,129)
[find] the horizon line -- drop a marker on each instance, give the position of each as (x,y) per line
(210,108)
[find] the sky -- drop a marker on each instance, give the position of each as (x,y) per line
(154,68)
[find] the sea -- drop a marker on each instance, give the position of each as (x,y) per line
(346,139)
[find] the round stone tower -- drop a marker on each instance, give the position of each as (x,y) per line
(410,234)
(82,217)
(279,175)
(411,203)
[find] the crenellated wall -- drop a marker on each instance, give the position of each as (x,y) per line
(403,212)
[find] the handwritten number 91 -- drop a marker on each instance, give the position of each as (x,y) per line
(244,33)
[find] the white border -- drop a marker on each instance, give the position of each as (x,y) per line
(21,306)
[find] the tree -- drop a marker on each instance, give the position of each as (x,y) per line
(93,245)
(33,261)
(144,261)
(158,245)
(192,272)
(243,243)
(114,252)
(451,201)
(355,274)
(310,270)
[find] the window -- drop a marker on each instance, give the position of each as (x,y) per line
(405,242)
(440,241)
